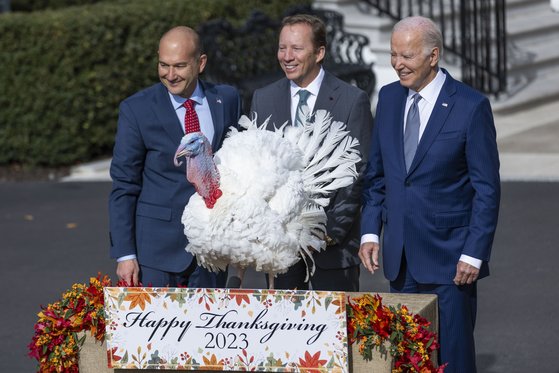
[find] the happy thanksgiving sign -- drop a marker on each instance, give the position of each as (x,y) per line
(225,329)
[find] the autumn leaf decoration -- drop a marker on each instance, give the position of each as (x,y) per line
(410,342)
(138,298)
(55,343)
(311,362)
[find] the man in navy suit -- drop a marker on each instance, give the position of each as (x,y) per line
(149,193)
(301,50)
(435,199)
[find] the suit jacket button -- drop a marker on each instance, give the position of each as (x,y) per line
(407,183)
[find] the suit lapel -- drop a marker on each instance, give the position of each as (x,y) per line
(440,113)
(166,115)
(282,104)
(328,94)
(397,127)
(215,102)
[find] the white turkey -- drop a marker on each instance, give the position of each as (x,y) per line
(260,200)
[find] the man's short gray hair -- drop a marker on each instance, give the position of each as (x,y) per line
(430,32)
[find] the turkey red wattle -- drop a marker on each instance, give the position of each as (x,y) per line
(201,170)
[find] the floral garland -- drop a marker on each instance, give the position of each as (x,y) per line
(55,343)
(371,324)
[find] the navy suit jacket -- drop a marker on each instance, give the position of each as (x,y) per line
(347,104)
(448,202)
(149,193)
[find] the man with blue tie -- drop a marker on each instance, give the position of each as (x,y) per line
(432,187)
(301,51)
(149,193)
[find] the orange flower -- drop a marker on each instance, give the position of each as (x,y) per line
(408,339)
(138,297)
(340,304)
(240,296)
(311,362)
(54,344)
(212,363)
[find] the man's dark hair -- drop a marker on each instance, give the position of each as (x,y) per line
(317,26)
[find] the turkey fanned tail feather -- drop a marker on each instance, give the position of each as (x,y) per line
(275,186)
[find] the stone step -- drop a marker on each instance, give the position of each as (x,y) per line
(543,55)
(525,91)
(511,127)
(533,56)
(519,6)
(532,22)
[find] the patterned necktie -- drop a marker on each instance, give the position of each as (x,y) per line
(411,134)
(191,122)
(303,96)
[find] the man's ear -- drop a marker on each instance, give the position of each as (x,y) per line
(435,56)
(202,63)
(321,53)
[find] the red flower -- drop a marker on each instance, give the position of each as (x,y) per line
(311,361)
(112,356)
(81,308)
(410,341)
(240,295)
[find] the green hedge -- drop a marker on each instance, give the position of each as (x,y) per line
(64,72)
(34,5)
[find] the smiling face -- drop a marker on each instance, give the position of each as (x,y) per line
(297,55)
(415,64)
(180,62)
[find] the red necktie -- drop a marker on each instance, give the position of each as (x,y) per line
(191,122)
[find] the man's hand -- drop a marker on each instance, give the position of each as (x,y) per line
(368,253)
(465,274)
(128,271)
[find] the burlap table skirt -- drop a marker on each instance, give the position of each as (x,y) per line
(93,355)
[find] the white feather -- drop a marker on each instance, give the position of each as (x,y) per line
(275,186)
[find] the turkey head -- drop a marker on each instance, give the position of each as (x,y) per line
(201,170)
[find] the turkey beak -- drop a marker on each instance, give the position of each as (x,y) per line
(181,151)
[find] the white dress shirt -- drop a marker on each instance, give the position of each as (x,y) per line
(313,88)
(202,109)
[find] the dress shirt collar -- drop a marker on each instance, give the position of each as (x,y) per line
(431,91)
(197,96)
(313,88)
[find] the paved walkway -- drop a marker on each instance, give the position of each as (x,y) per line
(528,145)
(55,234)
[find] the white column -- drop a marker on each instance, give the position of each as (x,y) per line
(555,5)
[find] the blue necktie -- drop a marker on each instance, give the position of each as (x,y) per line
(411,134)
(303,96)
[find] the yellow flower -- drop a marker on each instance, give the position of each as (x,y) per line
(62,318)
(420,348)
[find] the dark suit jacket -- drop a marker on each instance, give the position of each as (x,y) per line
(448,203)
(347,104)
(149,193)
